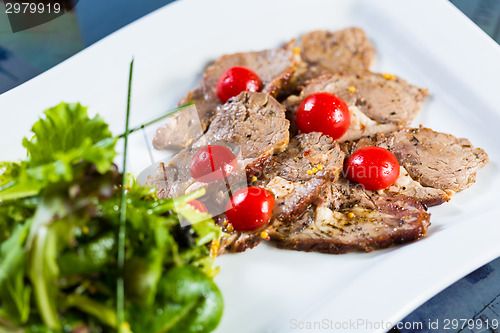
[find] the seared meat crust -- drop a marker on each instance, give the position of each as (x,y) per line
(437,160)
(348,218)
(388,102)
(327,52)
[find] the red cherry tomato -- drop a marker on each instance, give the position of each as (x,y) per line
(198,206)
(325,113)
(235,80)
(250,208)
(212,162)
(375,168)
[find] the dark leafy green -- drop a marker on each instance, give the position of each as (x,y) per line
(59,220)
(186,302)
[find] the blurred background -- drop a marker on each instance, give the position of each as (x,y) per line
(28,53)
(25,54)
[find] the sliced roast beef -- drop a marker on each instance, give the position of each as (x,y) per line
(348,218)
(296,178)
(436,160)
(428,196)
(180,130)
(433,165)
(236,241)
(276,68)
(297,175)
(379,103)
(344,50)
(253,125)
(316,208)
(255,122)
(404,185)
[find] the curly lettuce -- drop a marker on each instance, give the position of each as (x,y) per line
(63,140)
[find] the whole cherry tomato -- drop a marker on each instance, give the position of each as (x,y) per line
(198,206)
(375,168)
(323,112)
(212,162)
(250,208)
(235,80)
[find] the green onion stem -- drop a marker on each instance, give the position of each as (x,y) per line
(120,292)
(160,117)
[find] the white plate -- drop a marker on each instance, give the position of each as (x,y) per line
(429,43)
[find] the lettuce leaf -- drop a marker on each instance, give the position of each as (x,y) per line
(15,293)
(8,172)
(68,130)
(64,140)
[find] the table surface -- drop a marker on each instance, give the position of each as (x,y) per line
(25,54)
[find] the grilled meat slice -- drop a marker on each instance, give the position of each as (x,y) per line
(346,50)
(427,196)
(296,178)
(239,242)
(253,124)
(348,218)
(404,185)
(297,175)
(236,241)
(379,103)
(436,160)
(276,68)
(180,130)
(434,165)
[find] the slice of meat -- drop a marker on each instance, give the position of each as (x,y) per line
(277,69)
(427,196)
(379,103)
(404,185)
(236,241)
(180,130)
(296,178)
(274,67)
(298,174)
(362,126)
(348,218)
(330,52)
(252,124)
(433,165)
(436,160)
(255,122)
(174,178)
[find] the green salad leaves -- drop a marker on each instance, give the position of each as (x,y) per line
(66,136)
(59,220)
